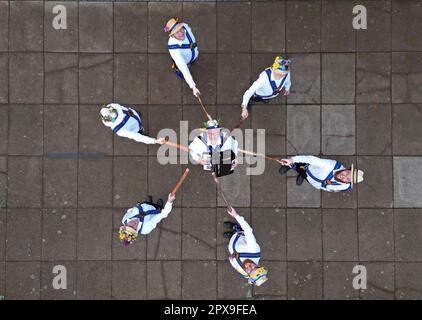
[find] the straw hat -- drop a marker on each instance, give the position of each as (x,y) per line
(357,175)
(173,25)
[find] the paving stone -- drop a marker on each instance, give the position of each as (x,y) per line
(407,182)
(341,199)
(232,85)
(136,251)
(336,33)
(380,285)
(3,182)
(303,129)
(407,235)
(164,280)
(25,182)
(130,78)
(158,15)
(26,78)
(406,22)
(338,129)
(202,18)
(195,274)
(406,119)
(304,280)
(95,78)
(229,116)
(164,87)
(130,27)
(236,187)
(378,172)
(4,77)
(26,130)
(301,196)
(271,235)
(338,78)
(231,21)
(165,243)
(93,280)
(163,178)
(23,245)
(267,38)
(95,174)
(340,235)
(338,281)
(95,29)
(60,129)
(128,282)
(373,73)
(2,279)
(276,286)
(303,26)
(269,189)
(376,230)
(305,78)
(304,234)
(22,280)
(377,36)
(373,129)
(61,78)
(196,192)
(63,40)
(130,181)
(94,237)
(407,77)
(129,147)
(90,125)
(199,234)
(60,178)
(4,128)
(3,226)
(204,73)
(4,25)
(231,285)
(48,274)
(26,25)
(59,234)
(408,281)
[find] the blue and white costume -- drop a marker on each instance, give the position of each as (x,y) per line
(184,53)
(128,124)
(148,216)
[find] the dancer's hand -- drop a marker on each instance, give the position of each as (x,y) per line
(160,140)
(286,162)
(196,92)
(171,198)
(245,113)
(232,212)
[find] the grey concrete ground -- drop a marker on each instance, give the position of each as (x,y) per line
(356,97)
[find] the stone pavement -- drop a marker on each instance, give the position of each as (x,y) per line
(66,181)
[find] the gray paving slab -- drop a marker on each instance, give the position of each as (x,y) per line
(4,83)
(2,279)
(405,22)
(405,126)
(48,273)
(195,274)
(164,280)
(238,194)
(407,182)
(338,129)
(304,196)
(277,287)
(59,234)
(22,280)
(230,284)
(304,280)
(407,234)
(408,287)
(407,77)
(304,240)
(93,280)
(338,281)
(126,282)
(4,23)
(381,281)
(373,129)
(4,114)
(3,182)
(376,234)
(340,235)
(3,227)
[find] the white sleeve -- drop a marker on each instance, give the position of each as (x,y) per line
(287,83)
(314,161)
(196,147)
(182,66)
(250,92)
(135,136)
(247,230)
(156,218)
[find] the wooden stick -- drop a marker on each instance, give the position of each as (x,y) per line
(238,124)
(259,155)
(203,108)
(229,207)
(179,183)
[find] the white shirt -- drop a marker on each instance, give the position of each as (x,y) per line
(182,56)
(320,169)
(262,87)
(131,128)
(150,220)
(245,244)
(198,147)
